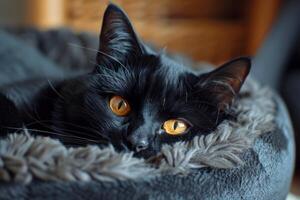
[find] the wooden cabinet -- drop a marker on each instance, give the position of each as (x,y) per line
(210,30)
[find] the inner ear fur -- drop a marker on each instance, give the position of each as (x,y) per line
(225,82)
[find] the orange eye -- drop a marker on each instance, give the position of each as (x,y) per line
(175,127)
(119,106)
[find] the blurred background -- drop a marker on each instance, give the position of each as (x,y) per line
(205,30)
(220,29)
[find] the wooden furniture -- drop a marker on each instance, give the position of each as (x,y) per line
(210,30)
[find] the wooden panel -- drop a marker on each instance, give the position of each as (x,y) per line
(208,40)
(159,8)
(162,22)
(211,30)
(45,13)
(261,15)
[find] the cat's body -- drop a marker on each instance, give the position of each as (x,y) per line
(135,98)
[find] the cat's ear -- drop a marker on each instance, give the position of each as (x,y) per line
(118,40)
(223,83)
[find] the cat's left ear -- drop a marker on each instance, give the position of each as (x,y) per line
(223,83)
(118,40)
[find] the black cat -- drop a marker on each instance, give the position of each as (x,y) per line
(135,98)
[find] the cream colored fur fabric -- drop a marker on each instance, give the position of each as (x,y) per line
(24,157)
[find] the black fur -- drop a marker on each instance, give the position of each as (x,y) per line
(76,110)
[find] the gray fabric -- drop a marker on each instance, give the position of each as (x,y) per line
(23,61)
(290,89)
(271,58)
(266,175)
(62,46)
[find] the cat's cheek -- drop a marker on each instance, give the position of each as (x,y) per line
(119,122)
(117,130)
(156,144)
(165,138)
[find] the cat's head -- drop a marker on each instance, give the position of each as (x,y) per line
(138,99)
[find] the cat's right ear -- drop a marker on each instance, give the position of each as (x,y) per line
(118,40)
(223,83)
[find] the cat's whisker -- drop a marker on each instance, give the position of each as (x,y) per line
(96,125)
(83,127)
(49,127)
(101,52)
(42,131)
(53,88)
(54,133)
(61,130)
(41,122)
(90,114)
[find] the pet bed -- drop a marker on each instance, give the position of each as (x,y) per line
(250,158)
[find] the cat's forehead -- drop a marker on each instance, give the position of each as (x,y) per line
(171,70)
(146,76)
(163,70)
(167,79)
(159,68)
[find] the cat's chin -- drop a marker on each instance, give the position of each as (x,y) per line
(146,154)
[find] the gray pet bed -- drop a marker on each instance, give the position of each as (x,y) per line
(251,158)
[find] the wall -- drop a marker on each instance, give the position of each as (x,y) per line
(12,12)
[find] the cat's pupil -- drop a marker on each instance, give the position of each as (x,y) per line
(121,103)
(175,125)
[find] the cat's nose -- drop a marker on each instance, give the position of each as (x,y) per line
(138,144)
(142,145)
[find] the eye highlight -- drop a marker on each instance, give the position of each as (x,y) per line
(175,126)
(119,106)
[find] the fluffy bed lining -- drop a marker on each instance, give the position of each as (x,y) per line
(24,157)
